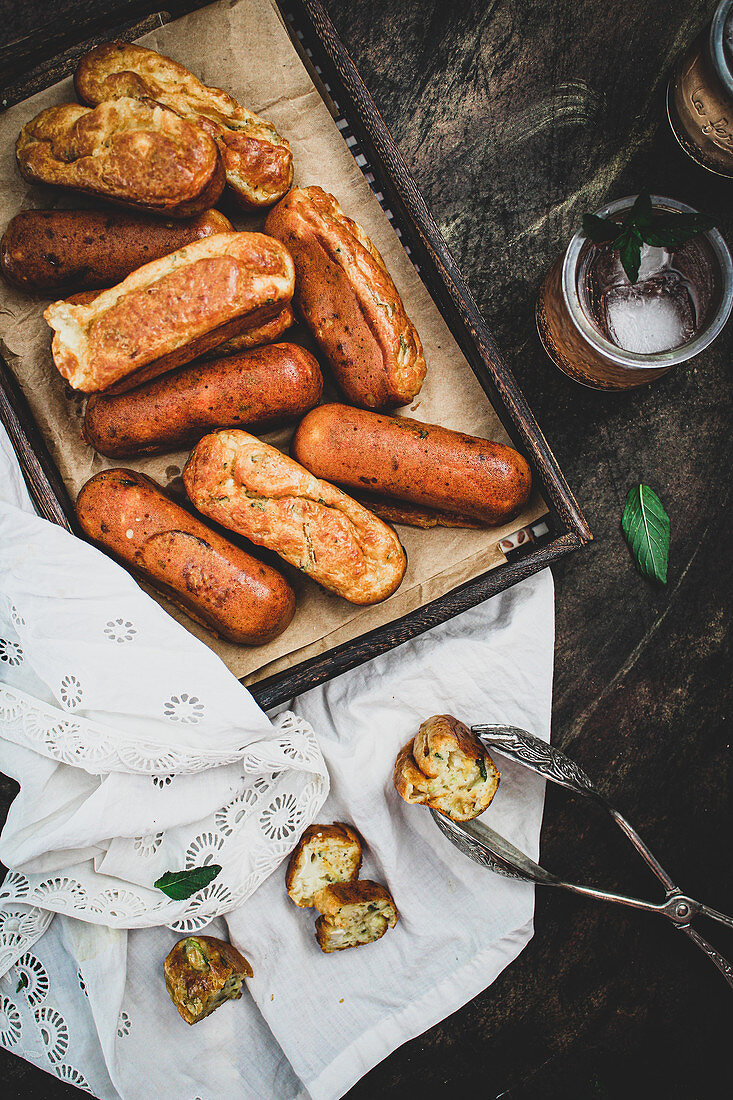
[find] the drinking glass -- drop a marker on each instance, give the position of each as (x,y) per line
(574,314)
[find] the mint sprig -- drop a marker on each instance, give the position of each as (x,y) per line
(642,226)
(179,885)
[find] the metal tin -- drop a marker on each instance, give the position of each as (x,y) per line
(700,97)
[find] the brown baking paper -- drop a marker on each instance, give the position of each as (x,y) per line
(245,49)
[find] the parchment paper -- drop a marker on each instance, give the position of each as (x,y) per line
(244,48)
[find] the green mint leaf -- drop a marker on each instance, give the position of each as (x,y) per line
(629,244)
(672,230)
(22,983)
(482,768)
(599,229)
(641,212)
(642,226)
(645,525)
(179,885)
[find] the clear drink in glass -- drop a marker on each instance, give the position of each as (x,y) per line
(609,334)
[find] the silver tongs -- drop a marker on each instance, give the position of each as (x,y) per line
(488,848)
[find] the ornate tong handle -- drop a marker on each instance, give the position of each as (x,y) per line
(554,765)
(542,758)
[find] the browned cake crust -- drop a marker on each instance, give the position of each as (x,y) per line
(348,300)
(133,152)
(423,464)
(446,767)
(324,854)
(257,161)
(264,333)
(84,249)
(251,488)
(253,334)
(217,584)
(411,784)
(201,973)
(170,311)
(353,914)
(260,388)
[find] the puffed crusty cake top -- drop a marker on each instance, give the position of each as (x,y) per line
(349,300)
(130,152)
(201,972)
(446,767)
(257,160)
(252,488)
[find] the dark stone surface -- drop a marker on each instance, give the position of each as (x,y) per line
(515,116)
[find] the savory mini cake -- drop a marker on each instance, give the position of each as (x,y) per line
(255,490)
(348,300)
(352,914)
(446,767)
(202,972)
(257,160)
(131,152)
(170,311)
(325,854)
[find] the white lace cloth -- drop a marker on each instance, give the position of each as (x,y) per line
(137,752)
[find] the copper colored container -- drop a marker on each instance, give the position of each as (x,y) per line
(573,339)
(700,95)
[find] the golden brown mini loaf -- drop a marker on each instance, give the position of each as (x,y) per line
(353,913)
(323,855)
(348,300)
(129,152)
(424,464)
(216,583)
(257,161)
(446,767)
(253,489)
(201,973)
(260,388)
(87,249)
(170,311)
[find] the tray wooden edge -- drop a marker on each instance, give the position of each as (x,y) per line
(283,686)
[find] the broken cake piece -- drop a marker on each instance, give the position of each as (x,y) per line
(201,973)
(352,914)
(446,767)
(325,854)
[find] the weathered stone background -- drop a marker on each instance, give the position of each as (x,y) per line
(516,116)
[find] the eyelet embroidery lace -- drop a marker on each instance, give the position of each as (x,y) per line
(79,741)
(25,1009)
(279,824)
(282,784)
(273,808)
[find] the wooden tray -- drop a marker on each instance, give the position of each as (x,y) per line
(564,528)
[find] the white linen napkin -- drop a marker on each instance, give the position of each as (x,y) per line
(86,1000)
